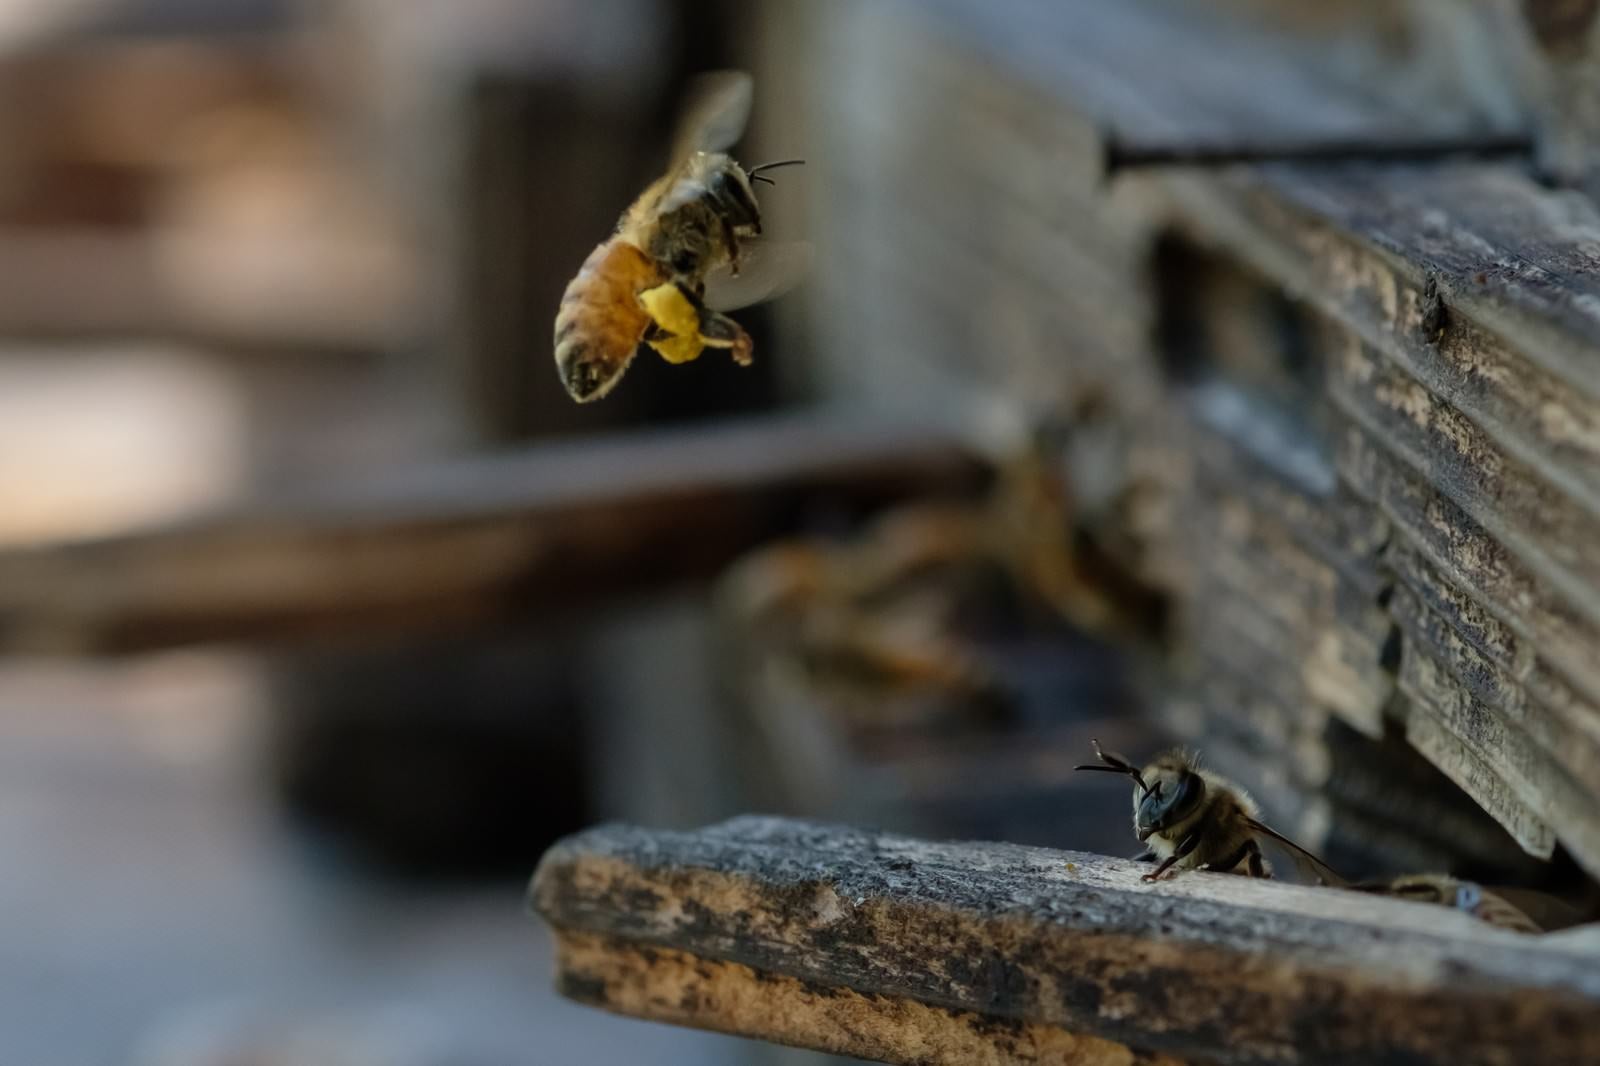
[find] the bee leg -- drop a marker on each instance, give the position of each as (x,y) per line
(720,331)
(1228,865)
(1145,856)
(676,308)
(717,330)
(731,238)
(1188,844)
(1256,867)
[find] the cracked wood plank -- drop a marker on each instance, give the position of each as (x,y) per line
(1457,670)
(1480,776)
(1458,400)
(1526,510)
(1470,559)
(682,988)
(469,542)
(913,951)
(1518,748)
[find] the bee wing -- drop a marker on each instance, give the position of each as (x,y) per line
(1547,911)
(766,269)
(1303,858)
(715,111)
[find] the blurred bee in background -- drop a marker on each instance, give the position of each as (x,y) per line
(1197,820)
(905,616)
(873,621)
(686,251)
(1517,909)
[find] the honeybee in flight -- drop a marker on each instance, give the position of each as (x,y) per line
(686,251)
(1197,820)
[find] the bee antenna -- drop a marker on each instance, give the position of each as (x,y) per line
(753,171)
(1115,764)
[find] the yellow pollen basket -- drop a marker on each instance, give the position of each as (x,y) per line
(675,315)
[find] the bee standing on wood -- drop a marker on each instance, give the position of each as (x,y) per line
(683,253)
(1194,819)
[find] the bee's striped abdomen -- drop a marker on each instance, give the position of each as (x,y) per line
(601,322)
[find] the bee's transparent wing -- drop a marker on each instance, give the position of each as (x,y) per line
(766,269)
(715,110)
(1307,862)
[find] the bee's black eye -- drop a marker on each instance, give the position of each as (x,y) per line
(1162,807)
(734,201)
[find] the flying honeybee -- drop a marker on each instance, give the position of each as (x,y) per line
(687,250)
(1194,819)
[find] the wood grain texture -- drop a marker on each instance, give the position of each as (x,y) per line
(912,951)
(1356,388)
(679,987)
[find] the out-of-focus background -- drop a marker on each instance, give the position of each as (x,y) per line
(325,610)
(254,247)
(268,255)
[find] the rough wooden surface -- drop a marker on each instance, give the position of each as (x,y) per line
(911,951)
(1100,55)
(468,541)
(679,987)
(1347,415)
(1454,319)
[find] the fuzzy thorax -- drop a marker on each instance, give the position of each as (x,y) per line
(1220,818)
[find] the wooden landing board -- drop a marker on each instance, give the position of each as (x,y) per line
(912,951)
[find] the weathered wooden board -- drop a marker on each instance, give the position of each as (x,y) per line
(911,951)
(1472,560)
(1512,284)
(1516,501)
(1116,63)
(1337,385)
(1337,527)
(667,985)
(1480,776)
(469,541)
(1495,737)
(1388,793)
(1453,669)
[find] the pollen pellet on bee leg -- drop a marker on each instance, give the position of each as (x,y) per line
(676,320)
(671,310)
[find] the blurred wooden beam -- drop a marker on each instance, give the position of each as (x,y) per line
(556,527)
(1112,61)
(909,951)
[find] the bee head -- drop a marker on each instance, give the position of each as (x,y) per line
(1174,794)
(731,194)
(731,189)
